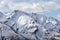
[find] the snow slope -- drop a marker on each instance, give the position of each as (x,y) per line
(30,26)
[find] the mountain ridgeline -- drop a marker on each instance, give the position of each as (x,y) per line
(19,25)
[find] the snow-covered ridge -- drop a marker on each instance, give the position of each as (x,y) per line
(30,26)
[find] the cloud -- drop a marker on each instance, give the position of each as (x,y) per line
(58,1)
(35,7)
(4,6)
(39,7)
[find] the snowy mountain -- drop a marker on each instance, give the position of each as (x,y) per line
(19,25)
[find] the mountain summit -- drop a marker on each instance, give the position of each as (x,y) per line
(20,25)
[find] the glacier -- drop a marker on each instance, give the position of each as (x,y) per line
(19,25)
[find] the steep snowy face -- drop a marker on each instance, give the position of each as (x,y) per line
(30,26)
(45,21)
(39,24)
(24,19)
(51,23)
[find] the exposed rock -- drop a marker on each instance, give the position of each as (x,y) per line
(24,26)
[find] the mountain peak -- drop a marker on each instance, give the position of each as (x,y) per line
(32,26)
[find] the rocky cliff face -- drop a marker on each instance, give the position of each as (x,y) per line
(24,26)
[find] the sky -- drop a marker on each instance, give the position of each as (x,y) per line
(46,7)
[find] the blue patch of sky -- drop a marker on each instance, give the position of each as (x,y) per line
(53,13)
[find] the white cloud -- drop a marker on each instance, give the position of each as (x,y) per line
(4,5)
(35,7)
(30,7)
